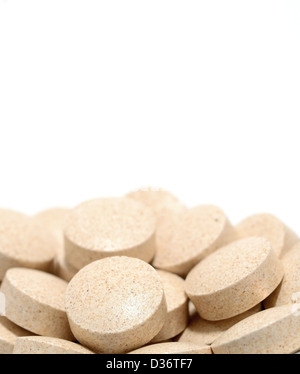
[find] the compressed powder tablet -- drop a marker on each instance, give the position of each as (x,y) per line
(234,279)
(194,235)
(55,219)
(204,332)
(161,202)
(35,301)
(270,227)
(8,335)
(177,306)
(173,348)
(289,288)
(109,227)
(24,243)
(116,304)
(166,207)
(46,345)
(164,234)
(272,331)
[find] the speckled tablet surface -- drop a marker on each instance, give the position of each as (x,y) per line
(36,301)
(8,335)
(193,235)
(177,306)
(173,348)
(116,304)
(54,219)
(205,332)
(289,288)
(167,209)
(161,202)
(24,243)
(234,279)
(272,331)
(108,227)
(270,227)
(46,345)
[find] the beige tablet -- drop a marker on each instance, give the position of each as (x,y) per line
(289,289)
(116,304)
(161,202)
(45,346)
(234,279)
(24,243)
(177,306)
(275,330)
(204,332)
(9,332)
(173,348)
(35,301)
(109,227)
(54,219)
(192,236)
(270,227)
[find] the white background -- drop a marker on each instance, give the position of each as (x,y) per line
(199,97)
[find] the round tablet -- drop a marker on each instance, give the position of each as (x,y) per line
(193,235)
(204,332)
(109,227)
(290,284)
(35,301)
(8,335)
(44,346)
(177,306)
(275,331)
(234,279)
(166,207)
(116,304)
(173,348)
(270,227)
(24,243)
(54,220)
(161,202)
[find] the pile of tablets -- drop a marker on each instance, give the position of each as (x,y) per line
(145,274)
